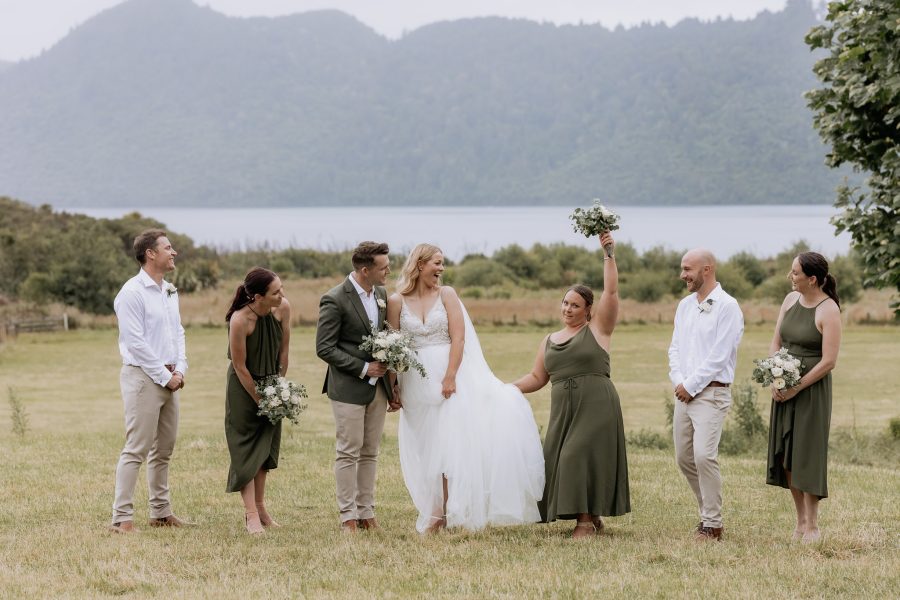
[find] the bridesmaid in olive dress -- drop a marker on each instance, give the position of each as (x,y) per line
(258,340)
(584,450)
(809,326)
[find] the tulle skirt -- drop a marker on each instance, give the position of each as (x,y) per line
(483,439)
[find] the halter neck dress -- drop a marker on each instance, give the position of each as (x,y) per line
(253,442)
(798,428)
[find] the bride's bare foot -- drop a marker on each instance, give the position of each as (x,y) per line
(265,518)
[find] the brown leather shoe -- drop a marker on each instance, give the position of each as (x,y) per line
(706,534)
(349,526)
(123,527)
(170,521)
(368,524)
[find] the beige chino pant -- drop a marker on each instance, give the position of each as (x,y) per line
(358,439)
(151,424)
(697,428)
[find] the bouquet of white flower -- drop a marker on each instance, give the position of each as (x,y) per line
(781,370)
(280,398)
(595,220)
(394,349)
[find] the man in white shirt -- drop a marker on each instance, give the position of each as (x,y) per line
(355,382)
(151,342)
(708,328)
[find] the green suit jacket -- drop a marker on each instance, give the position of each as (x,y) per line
(342,325)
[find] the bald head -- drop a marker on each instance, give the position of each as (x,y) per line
(698,271)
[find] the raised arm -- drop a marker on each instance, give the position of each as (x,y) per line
(457,327)
(539,376)
(606,311)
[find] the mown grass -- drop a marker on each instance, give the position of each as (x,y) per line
(58,481)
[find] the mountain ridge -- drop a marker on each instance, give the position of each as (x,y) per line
(167,102)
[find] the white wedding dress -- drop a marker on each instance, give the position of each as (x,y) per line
(483,438)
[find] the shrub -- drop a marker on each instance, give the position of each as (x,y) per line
(644,286)
(751,266)
(646,438)
(481,272)
(734,281)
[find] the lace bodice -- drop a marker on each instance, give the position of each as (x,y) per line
(434,331)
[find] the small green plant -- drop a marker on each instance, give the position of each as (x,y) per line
(17,414)
(646,438)
(746,430)
(894,428)
(669,409)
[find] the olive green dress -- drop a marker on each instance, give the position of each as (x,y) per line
(584,451)
(253,441)
(798,428)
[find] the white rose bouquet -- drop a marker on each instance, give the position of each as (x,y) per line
(394,349)
(781,370)
(280,399)
(594,221)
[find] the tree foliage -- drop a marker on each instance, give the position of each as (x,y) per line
(858,113)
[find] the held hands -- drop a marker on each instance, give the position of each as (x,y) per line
(785,394)
(682,394)
(176,382)
(376,369)
(395,403)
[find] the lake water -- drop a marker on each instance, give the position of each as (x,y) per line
(726,230)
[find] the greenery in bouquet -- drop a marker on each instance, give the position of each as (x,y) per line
(594,220)
(781,370)
(280,398)
(394,349)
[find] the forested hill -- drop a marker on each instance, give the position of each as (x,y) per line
(165,102)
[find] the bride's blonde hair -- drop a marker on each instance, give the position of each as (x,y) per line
(409,275)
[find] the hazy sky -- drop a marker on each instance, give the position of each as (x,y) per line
(29,26)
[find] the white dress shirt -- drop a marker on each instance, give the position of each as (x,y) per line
(705,341)
(150,331)
(369,303)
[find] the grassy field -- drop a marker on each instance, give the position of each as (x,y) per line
(59,478)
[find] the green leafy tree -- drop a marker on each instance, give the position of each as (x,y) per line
(857,112)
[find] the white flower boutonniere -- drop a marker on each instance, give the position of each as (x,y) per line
(706,306)
(171,290)
(380,303)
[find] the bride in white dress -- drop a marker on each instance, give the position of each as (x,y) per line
(469,446)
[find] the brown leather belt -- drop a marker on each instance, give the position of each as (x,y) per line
(718,384)
(171,368)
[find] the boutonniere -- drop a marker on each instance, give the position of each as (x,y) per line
(380,303)
(706,306)
(171,290)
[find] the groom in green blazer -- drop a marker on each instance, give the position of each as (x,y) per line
(355,383)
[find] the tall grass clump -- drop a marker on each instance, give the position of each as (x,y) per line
(18,415)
